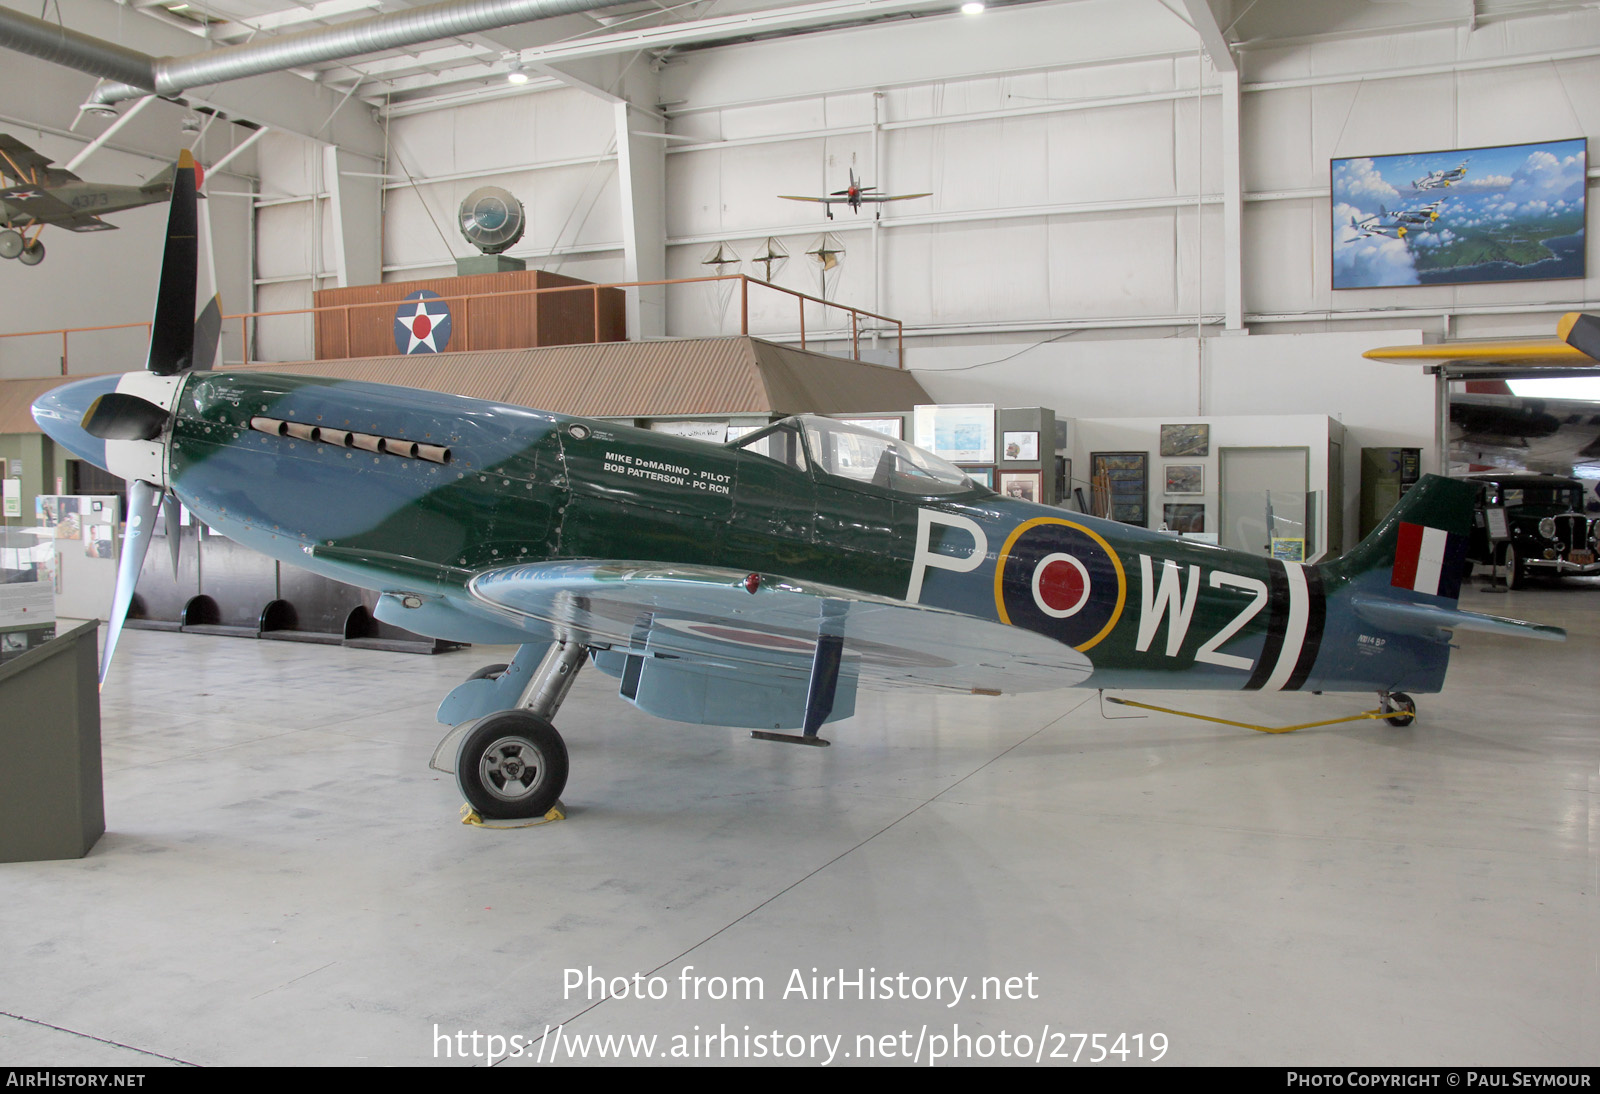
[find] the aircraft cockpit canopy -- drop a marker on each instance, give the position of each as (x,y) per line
(858,455)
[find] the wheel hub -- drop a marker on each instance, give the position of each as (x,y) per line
(510,768)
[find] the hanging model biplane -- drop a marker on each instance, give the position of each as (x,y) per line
(855,195)
(34,195)
(757,584)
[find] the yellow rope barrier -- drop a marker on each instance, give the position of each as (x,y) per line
(470,816)
(1263,729)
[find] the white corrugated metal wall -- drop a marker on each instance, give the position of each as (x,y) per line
(1075,164)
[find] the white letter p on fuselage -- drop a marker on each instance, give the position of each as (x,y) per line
(926,556)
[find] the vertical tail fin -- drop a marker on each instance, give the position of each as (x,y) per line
(1420,547)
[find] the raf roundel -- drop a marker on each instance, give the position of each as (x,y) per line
(422,323)
(1059,578)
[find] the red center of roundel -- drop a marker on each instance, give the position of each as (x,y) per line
(421,325)
(1061,586)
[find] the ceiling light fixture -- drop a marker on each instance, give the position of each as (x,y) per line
(972,7)
(516,75)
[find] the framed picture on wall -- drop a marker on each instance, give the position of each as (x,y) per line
(1186,440)
(958,432)
(1510,212)
(1186,478)
(1288,549)
(983,476)
(1022,485)
(1119,484)
(1184,516)
(1020,445)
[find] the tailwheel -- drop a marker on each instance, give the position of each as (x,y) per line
(513,764)
(1400,709)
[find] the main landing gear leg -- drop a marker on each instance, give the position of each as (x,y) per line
(1400,709)
(513,763)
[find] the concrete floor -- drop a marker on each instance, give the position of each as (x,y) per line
(283,879)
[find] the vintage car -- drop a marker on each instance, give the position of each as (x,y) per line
(1548,531)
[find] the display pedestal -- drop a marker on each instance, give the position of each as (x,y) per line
(52,801)
(482,264)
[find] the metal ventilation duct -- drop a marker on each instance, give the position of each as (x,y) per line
(139,73)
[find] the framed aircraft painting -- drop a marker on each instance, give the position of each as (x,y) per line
(1512,212)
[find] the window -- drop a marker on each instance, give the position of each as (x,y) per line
(780,442)
(863,456)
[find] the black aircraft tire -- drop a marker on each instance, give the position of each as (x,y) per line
(489,672)
(1405,709)
(11,243)
(512,765)
(32,255)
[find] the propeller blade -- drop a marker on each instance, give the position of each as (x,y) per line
(207,333)
(118,416)
(173,516)
(172,329)
(143,500)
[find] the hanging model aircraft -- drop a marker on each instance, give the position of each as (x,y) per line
(756,584)
(855,195)
(1499,428)
(33,195)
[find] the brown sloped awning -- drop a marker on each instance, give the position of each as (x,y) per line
(16,396)
(666,377)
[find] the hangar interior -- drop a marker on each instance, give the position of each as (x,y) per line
(1129,222)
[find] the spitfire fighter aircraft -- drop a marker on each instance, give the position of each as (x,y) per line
(855,195)
(758,584)
(33,194)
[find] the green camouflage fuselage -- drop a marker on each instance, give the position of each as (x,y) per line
(522,486)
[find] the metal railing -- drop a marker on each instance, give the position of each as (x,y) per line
(857,315)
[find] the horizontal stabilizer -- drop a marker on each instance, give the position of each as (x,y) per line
(1425,619)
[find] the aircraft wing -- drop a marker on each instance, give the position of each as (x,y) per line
(706,618)
(17,156)
(83,222)
(1574,330)
(37,203)
(894,197)
(1521,352)
(797,197)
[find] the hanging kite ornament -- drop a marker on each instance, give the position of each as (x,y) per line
(829,254)
(721,260)
(772,259)
(422,323)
